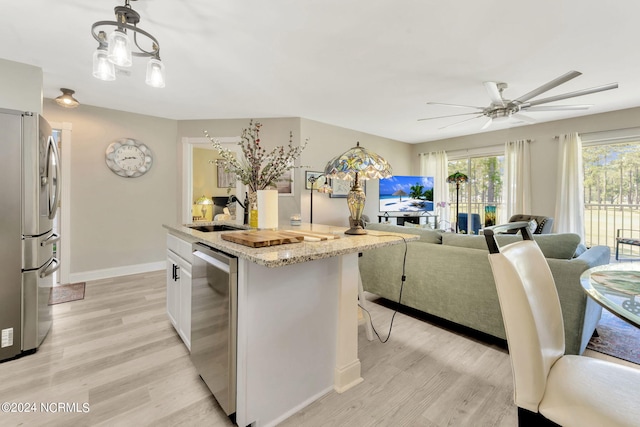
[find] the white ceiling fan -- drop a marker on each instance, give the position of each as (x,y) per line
(504,109)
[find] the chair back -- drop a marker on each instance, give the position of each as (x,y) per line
(475,223)
(532,317)
(544,223)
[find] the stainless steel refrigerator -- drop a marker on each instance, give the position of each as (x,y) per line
(29,198)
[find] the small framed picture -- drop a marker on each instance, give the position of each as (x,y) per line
(341,187)
(319,180)
(225,179)
(285,184)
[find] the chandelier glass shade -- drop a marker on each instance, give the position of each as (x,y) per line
(119,49)
(103,69)
(125,40)
(155,73)
(355,165)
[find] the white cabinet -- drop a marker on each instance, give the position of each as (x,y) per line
(179,286)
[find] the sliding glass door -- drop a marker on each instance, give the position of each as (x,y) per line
(478,202)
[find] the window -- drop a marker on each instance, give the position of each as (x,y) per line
(611,193)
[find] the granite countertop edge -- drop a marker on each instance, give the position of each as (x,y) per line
(292,253)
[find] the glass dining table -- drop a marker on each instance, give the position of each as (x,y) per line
(616,287)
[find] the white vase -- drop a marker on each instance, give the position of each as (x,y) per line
(267,209)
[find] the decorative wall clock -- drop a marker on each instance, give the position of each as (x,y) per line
(129,158)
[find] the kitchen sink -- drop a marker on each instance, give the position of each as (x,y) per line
(214,227)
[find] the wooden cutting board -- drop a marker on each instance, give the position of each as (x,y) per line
(313,235)
(261,238)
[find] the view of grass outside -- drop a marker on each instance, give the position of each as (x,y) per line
(612,194)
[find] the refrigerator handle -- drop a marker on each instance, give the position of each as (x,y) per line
(53,151)
(54,237)
(50,268)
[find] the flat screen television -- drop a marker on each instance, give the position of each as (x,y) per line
(407,194)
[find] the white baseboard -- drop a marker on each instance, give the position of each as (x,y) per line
(108,273)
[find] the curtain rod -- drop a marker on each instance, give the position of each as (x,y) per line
(527,140)
(460,150)
(593,135)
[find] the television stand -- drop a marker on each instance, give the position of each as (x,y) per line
(413,219)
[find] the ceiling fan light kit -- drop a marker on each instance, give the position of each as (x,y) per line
(502,109)
(116,49)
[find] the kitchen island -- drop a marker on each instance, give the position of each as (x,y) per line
(297,318)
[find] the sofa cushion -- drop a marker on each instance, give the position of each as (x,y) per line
(559,246)
(426,235)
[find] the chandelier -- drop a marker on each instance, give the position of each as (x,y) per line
(117,48)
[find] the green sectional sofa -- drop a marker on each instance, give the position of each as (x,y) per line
(448,276)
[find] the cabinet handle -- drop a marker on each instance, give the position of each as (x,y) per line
(177,273)
(174,273)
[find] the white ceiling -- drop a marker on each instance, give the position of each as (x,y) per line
(368,65)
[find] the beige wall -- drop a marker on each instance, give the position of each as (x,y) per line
(326,142)
(544,150)
(115,221)
(20,86)
(274,132)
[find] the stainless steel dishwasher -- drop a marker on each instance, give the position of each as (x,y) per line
(214,322)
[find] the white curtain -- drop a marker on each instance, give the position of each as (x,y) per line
(517,185)
(436,165)
(569,215)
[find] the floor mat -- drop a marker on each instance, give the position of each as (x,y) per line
(616,338)
(66,293)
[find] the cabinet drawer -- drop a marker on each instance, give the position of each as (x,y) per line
(180,247)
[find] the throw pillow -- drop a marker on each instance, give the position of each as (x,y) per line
(580,250)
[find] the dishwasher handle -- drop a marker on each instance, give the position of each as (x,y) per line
(224,262)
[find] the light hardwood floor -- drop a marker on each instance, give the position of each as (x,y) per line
(117,351)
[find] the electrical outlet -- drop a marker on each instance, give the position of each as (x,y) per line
(7,337)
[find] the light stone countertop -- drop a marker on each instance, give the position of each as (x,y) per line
(292,253)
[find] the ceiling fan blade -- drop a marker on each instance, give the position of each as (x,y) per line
(455,105)
(571,94)
(487,124)
(548,86)
(457,123)
(443,117)
(494,93)
(559,107)
(524,118)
